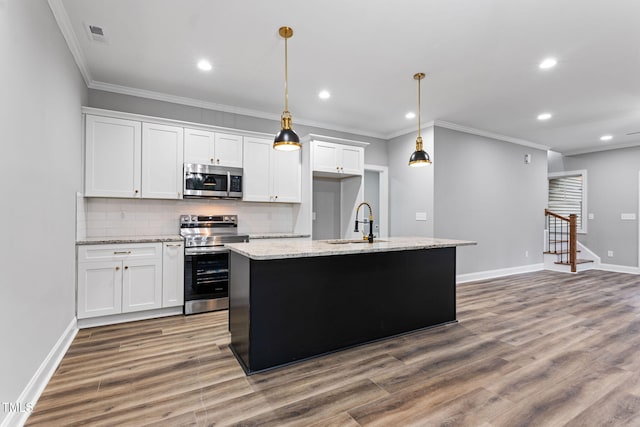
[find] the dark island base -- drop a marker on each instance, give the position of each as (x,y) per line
(287,310)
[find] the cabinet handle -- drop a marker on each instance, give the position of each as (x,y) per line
(117,268)
(121,252)
(177,245)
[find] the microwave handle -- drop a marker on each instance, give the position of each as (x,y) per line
(228,183)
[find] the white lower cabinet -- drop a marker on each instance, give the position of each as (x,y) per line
(172,274)
(123,278)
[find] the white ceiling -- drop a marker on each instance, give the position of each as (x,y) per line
(481,59)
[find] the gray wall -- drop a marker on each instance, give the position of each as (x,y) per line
(410,189)
(40,171)
(326,205)
(612,189)
(376,153)
(485,192)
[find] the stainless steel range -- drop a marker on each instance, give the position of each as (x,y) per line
(206,261)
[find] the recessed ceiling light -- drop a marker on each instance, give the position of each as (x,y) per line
(548,63)
(410,115)
(544,116)
(204,65)
(606,137)
(324,94)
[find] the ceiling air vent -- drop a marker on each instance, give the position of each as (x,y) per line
(97,34)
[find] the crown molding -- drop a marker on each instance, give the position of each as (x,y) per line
(160,96)
(598,148)
(64,23)
(487,134)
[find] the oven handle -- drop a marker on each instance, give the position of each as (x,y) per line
(195,251)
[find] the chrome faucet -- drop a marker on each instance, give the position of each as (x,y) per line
(370,237)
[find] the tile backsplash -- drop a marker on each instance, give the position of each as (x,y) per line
(105,217)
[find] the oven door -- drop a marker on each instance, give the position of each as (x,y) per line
(206,280)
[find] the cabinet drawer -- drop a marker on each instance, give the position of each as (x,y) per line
(90,253)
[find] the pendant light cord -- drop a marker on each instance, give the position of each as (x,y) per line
(286,77)
(419,108)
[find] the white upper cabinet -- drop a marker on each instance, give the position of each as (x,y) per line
(270,175)
(228,150)
(337,159)
(162,154)
(212,148)
(286,174)
(112,157)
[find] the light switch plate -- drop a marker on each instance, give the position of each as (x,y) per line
(628,216)
(591,216)
(421,216)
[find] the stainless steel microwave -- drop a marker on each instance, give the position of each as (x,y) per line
(212,181)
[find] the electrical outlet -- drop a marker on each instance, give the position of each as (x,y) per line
(526,254)
(610,254)
(421,216)
(591,216)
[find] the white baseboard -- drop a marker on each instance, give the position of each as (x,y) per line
(618,268)
(38,382)
(129,317)
(490,274)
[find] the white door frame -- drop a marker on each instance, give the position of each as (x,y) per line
(384,197)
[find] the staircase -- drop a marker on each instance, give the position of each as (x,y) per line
(561,244)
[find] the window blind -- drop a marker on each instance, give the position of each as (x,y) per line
(565,197)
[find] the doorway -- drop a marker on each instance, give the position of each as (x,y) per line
(376,192)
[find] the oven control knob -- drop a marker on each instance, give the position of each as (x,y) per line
(194,218)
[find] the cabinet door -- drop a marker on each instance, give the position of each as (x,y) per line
(325,157)
(286,176)
(199,147)
(256,179)
(352,160)
(172,274)
(112,157)
(99,288)
(162,153)
(141,285)
(228,150)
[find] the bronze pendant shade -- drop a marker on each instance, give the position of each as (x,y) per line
(286,139)
(419,157)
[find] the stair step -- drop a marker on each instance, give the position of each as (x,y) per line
(559,252)
(578,261)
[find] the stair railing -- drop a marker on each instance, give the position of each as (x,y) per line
(562,237)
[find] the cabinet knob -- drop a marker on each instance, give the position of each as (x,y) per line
(117,268)
(135,191)
(337,168)
(211,160)
(276,197)
(218,161)
(126,267)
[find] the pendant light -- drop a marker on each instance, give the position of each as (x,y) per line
(419,157)
(286,139)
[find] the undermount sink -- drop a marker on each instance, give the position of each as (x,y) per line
(345,241)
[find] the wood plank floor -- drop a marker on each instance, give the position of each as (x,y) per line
(539,349)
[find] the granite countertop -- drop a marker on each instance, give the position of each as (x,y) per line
(259,236)
(274,249)
(112,240)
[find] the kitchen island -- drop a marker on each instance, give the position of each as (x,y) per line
(293,300)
